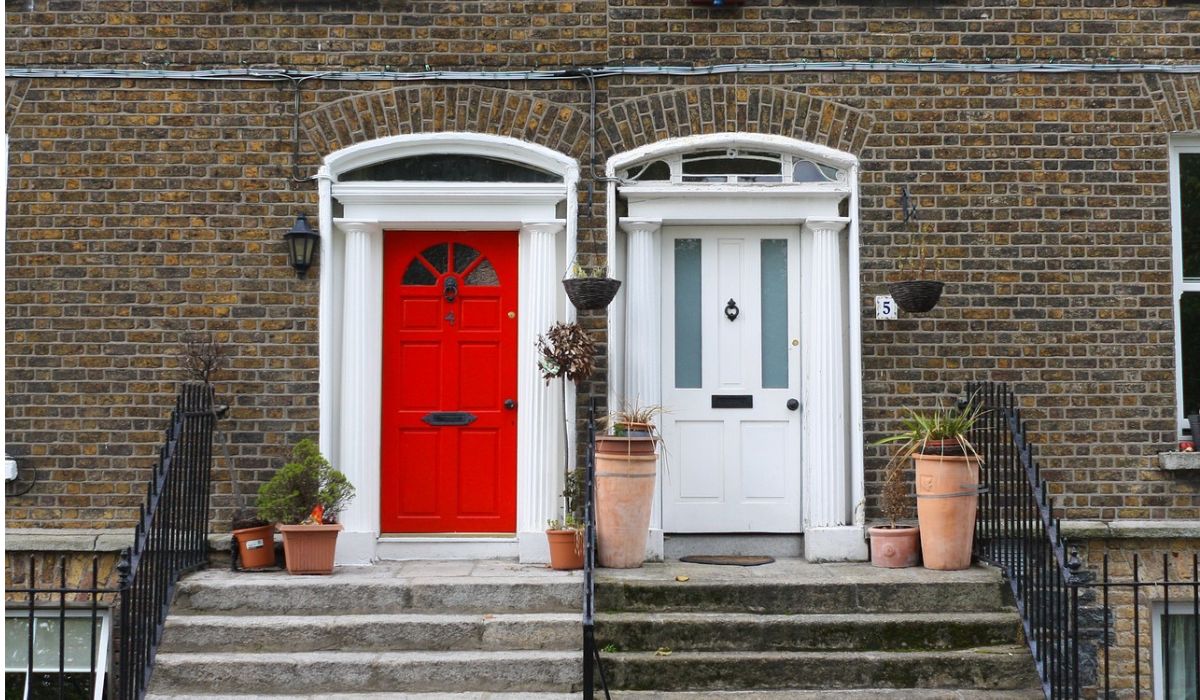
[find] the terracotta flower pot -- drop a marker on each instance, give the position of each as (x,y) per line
(256,546)
(947,498)
(566,549)
(895,547)
(611,444)
(624,492)
(309,549)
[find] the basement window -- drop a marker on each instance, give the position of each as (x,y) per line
(81,667)
(1176,646)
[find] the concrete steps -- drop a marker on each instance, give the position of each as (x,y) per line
(810,628)
(492,629)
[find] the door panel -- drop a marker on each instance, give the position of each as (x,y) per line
(449,345)
(730,319)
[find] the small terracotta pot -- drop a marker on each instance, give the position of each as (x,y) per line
(566,549)
(611,444)
(309,549)
(256,546)
(624,493)
(895,547)
(947,499)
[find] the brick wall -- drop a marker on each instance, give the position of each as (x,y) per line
(141,212)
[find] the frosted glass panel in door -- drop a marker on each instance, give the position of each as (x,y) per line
(688,341)
(774,313)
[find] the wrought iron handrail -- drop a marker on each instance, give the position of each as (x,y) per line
(591,655)
(1016,532)
(170,538)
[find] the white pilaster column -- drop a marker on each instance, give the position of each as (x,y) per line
(828,535)
(361,341)
(643,340)
(539,407)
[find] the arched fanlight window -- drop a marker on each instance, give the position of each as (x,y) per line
(731,166)
(462,260)
(449,167)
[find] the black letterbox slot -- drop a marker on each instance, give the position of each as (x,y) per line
(733,401)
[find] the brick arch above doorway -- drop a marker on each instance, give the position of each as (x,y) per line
(718,109)
(445,108)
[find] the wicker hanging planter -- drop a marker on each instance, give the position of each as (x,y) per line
(591,293)
(916,296)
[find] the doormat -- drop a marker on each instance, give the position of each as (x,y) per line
(728,560)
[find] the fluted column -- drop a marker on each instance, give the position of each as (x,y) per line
(539,407)
(643,340)
(643,313)
(361,339)
(826,456)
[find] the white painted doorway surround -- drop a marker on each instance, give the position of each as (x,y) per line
(354,217)
(826,469)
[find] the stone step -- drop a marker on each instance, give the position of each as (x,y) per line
(805,597)
(299,674)
(380,696)
(281,594)
(987,668)
(397,632)
(749,632)
(903,694)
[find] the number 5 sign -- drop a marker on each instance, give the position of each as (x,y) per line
(885,308)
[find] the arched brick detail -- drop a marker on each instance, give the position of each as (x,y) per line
(1177,98)
(724,108)
(437,108)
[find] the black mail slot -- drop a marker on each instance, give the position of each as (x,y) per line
(449,418)
(733,401)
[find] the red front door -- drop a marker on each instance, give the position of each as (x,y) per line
(449,439)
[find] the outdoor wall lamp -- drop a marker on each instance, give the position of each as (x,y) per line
(302,245)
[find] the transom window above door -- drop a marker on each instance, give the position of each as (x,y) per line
(448,167)
(732,166)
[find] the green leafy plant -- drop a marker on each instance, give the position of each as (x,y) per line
(623,419)
(919,429)
(580,272)
(303,484)
(568,522)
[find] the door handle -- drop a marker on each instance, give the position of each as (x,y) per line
(793,404)
(510,404)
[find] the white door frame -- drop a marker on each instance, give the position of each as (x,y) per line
(833,483)
(350,322)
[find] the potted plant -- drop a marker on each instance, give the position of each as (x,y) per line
(566,352)
(590,288)
(895,546)
(304,499)
(947,481)
(626,465)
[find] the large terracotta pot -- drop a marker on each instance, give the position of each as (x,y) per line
(612,444)
(624,492)
(256,546)
(947,498)
(566,549)
(309,549)
(895,547)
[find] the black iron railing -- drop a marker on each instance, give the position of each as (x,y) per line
(170,539)
(1104,638)
(591,655)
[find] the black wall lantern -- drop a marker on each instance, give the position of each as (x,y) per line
(302,245)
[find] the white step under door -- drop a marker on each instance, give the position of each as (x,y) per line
(731,379)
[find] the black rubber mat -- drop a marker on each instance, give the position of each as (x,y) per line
(727,560)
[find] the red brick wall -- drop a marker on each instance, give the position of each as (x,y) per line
(142,211)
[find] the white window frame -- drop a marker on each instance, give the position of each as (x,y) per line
(103,642)
(1179,285)
(1158,660)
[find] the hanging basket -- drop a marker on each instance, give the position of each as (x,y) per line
(591,293)
(916,296)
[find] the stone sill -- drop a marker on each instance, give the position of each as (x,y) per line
(38,539)
(1179,461)
(1131,529)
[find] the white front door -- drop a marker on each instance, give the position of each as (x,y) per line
(731,370)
